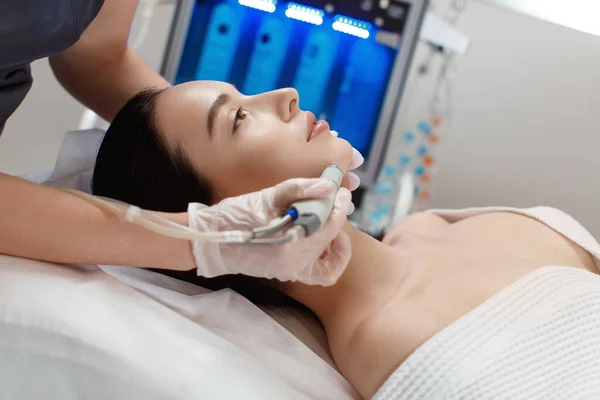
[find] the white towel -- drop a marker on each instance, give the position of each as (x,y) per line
(537,339)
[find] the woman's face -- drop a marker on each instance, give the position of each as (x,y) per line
(246,143)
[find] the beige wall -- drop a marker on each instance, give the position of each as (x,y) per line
(525,129)
(526,124)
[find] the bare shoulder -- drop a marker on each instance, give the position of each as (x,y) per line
(415,225)
(383,342)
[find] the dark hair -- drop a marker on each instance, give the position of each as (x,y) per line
(135,165)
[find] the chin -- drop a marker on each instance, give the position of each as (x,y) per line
(342,153)
(339,153)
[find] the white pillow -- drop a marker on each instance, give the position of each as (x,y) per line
(68,333)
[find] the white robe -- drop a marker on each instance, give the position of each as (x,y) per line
(539,338)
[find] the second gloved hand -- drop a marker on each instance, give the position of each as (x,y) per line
(317,260)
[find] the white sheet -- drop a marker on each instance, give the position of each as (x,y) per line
(73,331)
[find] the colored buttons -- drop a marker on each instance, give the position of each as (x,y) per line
(424,127)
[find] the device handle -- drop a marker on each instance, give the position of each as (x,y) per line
(312,214)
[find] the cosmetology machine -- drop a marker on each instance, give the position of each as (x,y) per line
(348,59)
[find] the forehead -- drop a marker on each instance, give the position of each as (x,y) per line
(183,109)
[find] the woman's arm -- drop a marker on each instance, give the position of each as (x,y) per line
(100,70)
(46,224)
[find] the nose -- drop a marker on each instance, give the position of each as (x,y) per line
(287,103)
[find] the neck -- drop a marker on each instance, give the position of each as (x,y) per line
(371,277)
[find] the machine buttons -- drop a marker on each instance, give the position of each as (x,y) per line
(409,137)
(366,5)
(396,12)
(424,127)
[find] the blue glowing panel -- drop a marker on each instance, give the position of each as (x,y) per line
(268,55)
(335,62)
(316,64)
(220,46)
(361,93)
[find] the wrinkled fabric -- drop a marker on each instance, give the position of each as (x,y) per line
(75,163)
(75,332)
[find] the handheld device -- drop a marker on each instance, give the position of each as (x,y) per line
(312,214)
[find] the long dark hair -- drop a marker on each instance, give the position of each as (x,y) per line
(135,165)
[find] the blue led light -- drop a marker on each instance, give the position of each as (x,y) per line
(305,14)
(352,26)
(263,5)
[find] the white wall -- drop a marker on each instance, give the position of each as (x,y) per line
(525,129)
(526,124)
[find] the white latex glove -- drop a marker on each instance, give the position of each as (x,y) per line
(318,260)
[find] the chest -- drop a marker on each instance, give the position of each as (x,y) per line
(453,270)
(458,267)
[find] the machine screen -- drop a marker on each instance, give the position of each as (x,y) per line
(335,62)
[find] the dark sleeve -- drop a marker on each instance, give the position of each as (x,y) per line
(84,12)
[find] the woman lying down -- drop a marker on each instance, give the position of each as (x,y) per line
(473,304)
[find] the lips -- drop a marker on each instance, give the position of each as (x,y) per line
(317,129)
(314,127)
(321,127)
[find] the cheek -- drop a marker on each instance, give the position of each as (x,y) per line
(248,166)
(257,165)
(327,151)
(258,162)
(267,163)
(306,160)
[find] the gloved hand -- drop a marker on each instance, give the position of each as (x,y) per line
(318,260)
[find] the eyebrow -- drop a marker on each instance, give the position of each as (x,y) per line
(214,112)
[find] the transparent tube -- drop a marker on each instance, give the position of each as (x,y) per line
(165,227)
(157,224)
